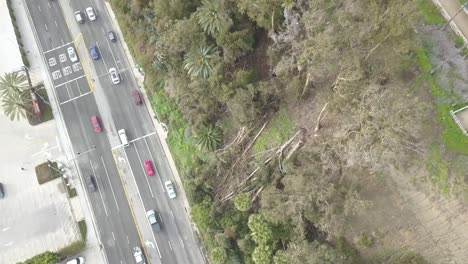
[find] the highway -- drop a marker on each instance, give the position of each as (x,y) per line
(84,89)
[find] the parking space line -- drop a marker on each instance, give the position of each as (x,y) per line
(112,189)
(155,167)
(66,44)
(56,86)
(75,98)
(144,172)
(99,188)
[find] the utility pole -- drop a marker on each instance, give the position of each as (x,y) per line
(456,14)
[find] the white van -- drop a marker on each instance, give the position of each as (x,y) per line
(123,138)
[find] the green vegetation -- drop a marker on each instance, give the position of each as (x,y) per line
(44,173)
(72,249)
(83,229)
(430,13)
(44,258)
(269,119)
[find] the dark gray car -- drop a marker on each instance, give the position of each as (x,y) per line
(2,192)
(90,183)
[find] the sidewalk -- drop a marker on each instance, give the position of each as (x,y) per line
(450,9)
(38,72)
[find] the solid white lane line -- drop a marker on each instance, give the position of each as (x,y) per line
(131,141)
(113,235)
(99,188)
(144,171)
(169,242)
(154,164)
(102,57)
(46,28)
(112,189)
(182,241)
(112,53)
(39,7)
(68,91)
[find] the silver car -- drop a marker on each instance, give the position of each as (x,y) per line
(114,76)
(151,214)
(170,189)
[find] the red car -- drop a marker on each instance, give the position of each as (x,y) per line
(149,168)
(136,97)
(96,124)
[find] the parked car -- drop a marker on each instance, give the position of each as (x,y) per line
(149,168)
(90,13)
(2,191)
(136,97)
(170,189)
(79,260)
(93,50)
(96,124)
(111,36)
(114,76)
(79,17)
(72,54)
(153,220)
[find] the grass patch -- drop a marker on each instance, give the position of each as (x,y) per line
(278,131)
(71,192)
(83,229)
(183,150)
(452,137)
(72,249)
(430,13)
(44,173)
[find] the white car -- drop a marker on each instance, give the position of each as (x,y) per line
(72,54)
(170,189)
(151,214)
(114,76)
(90,13)
(79,260)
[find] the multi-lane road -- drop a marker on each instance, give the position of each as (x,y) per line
(84,89)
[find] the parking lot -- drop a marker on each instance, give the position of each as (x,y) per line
(35,218)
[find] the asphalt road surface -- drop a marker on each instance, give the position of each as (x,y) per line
(113,104)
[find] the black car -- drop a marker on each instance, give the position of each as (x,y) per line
(2,192)
(90,183)
(111,36)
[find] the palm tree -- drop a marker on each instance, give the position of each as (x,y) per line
(198,61)
(212,17)
(12,83)
(16,105)
(208,137)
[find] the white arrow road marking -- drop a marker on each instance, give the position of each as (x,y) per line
(122,159)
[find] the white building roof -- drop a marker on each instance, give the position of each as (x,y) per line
(10,56)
